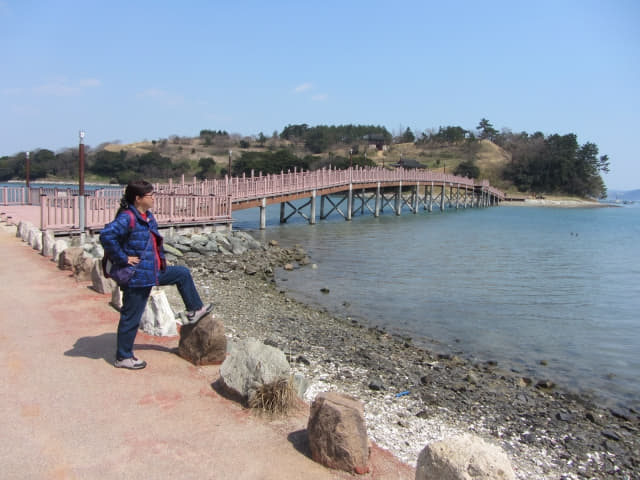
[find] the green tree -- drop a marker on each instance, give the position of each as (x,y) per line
(317,140)
(206,168)
(487,132)
(408,136)
(467,168)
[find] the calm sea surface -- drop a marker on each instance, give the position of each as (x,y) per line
(519,285)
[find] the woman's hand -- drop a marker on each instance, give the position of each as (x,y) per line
(133,260)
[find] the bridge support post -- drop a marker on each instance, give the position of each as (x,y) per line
(282,217)
(350,202)
(398,201)
(263,213)
(457,196)
(376,213)
(312,216)
(322,206)
(442,194)
(416,193)
(431,197)
(364,198)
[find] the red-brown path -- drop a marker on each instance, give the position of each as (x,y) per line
(67,413)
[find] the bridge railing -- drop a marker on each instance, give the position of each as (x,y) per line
(256,186)
(64,212)
(211,200)
(12,196)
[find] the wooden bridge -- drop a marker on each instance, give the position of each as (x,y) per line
(211,202)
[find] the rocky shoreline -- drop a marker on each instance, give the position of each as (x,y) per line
(413,396)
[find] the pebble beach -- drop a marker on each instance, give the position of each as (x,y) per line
(413,396)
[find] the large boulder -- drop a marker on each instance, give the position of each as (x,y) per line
(338,433)
(71,258)
(48,241)
(59,246)
(23,230)
(466,457)
(35,239)
(203,343)
(158,317)
(100,283)
(251,364)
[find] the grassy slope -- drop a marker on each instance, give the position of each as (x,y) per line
(489,157)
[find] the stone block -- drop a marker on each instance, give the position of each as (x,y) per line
(203,343)
(251,364)
(158,317)
(338,433)
(100,283)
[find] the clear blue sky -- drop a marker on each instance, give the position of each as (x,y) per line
(135,70)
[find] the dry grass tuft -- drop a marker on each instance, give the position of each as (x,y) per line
(277,397)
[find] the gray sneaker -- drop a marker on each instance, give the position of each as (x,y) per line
(132,363)
(195,316)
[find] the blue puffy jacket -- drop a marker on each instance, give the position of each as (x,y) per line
(120,241)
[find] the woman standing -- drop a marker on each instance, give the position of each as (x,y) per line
(132,238)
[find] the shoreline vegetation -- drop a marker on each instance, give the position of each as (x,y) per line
(413,396)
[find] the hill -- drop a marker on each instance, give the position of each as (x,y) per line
(488,157)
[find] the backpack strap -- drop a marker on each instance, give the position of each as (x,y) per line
(132,220)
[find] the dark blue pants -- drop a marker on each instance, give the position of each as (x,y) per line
(134,301)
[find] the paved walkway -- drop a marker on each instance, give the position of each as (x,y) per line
(66,413)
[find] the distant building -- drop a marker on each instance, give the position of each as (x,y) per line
(376,139)
(408,163)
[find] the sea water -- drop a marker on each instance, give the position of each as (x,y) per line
(552,293)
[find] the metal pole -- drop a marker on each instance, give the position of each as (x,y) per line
(28,170)
(28,184)
(81,181)
(229,168)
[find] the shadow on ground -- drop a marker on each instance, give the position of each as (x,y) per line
(104,347)
(300,441)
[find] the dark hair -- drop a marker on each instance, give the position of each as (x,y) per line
(137,188)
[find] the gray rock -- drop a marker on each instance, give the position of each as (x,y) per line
(197,238)
(220,239)
(205,248)
(564,417)
(158,317)
(99,282)
(301,384)
(251,242)
(59,246)
(35,239)
(238,246)
(338,433)
(48,241)
(463,458)
(23,230)
(182,247)
(251,364)
(376,384)
(168,249)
